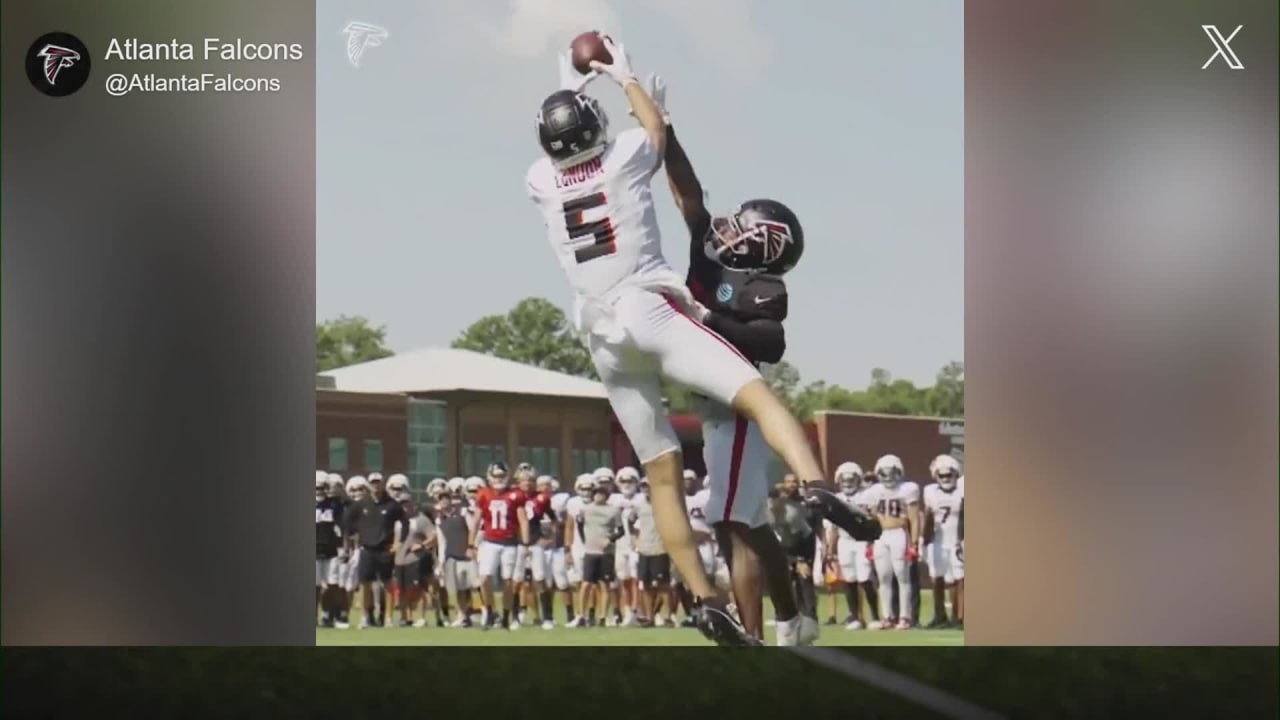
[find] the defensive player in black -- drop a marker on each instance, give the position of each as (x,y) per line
(736,264)
(328,543)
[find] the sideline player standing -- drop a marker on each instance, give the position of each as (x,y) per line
(897,504)
(736,264)
(328,543)
(503,527)
(943,502)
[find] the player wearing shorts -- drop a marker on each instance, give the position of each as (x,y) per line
(537,509)
(851,557)
(942,505)
(601,528)
(502,529)
(328,544)
(897,505)
(736,264)
(626,561)
(560,572)
(640,320)
(653,566)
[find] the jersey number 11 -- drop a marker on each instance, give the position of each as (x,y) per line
(601,231)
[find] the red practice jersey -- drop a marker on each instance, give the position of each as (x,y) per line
(498,520)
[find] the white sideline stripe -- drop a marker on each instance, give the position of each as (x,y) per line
(901,686)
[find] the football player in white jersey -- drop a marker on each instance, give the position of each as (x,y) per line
(942,502)
(851,556)
(897,506)
(626,559)
(640,320)
(583,488)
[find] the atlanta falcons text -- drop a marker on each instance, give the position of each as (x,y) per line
(123,84)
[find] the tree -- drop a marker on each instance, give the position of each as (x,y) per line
(535,332)
(946,397)
(347,341)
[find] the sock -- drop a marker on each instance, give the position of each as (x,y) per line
(568,609)
(851,598)
(873,601)
(546,605)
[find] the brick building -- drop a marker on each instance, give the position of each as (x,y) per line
(443,412)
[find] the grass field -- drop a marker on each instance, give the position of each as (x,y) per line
(530,636)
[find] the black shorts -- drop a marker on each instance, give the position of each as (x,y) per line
(376,564)
(408,576)
(598,568)
(427,567)
(654,570)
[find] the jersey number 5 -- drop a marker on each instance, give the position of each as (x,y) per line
(601,231)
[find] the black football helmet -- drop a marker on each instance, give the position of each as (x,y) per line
(760,236)
(572,128)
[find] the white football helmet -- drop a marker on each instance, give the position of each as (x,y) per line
(456,485)
(397,484)
(336,487)
(585,486)
(545,482)
(889,470)
(436,487)
(628,481)
(849,476)
(321,477)
(603,475)
(555,485)
(375,477)
(474,484)
(945,471)
(357,487)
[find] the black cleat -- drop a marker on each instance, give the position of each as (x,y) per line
(938,623)
(824,503)
(718,625)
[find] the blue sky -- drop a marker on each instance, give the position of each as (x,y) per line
(849,112)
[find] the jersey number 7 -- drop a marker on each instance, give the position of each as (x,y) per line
(601,231)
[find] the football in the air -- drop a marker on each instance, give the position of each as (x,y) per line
(587,47)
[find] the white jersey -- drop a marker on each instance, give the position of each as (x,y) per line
(573,514)
(945,507)
(624,503)
(697,507)
(600,217)
(891,501)
(857,499)
(558,503)
(960,485)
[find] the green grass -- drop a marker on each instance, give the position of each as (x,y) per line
(530,636)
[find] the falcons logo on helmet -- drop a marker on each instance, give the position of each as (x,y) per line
(774,237)
(360,37)
(56,58)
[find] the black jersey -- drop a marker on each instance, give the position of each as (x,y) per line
(747,308)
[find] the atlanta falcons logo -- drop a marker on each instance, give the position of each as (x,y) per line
(56,58)
(360,37)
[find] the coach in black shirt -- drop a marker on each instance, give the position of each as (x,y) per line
(374,520)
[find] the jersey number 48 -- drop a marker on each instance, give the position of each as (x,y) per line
(600,231)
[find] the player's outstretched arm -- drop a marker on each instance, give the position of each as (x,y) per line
(686,189)
(646,111)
